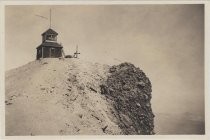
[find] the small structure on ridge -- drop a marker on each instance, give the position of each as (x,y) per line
(49,47)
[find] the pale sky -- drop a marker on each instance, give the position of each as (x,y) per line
(165,41)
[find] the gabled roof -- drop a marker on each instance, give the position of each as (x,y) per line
(50,31)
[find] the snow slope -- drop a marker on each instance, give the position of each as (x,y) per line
(58,97)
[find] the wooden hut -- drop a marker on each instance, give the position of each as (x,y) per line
(49,47)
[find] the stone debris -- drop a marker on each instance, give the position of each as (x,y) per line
(104,128)
(7,103)
(93,89)
(71,97)
(129,90)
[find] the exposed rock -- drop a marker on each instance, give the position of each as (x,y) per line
(63,98)
(129,90)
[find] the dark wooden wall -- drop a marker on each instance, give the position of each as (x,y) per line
(49,52)
(39,53)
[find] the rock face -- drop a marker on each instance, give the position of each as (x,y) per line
(129,91)
(73,97)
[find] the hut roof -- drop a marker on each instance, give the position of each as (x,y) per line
(50,44)
(50,31)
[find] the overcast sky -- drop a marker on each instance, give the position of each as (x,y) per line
(165,41)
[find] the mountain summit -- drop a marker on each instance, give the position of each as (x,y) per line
(71,97)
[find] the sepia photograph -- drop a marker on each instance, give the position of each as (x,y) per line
(104,69)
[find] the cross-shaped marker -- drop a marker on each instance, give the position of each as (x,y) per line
(76,53)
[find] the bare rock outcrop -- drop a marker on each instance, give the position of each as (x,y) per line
(129,91)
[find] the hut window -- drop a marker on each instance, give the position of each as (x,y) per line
(51,37)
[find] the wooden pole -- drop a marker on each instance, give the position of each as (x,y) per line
(76,53)
(50,17)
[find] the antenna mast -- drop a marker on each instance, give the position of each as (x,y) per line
(50,17)
(47,18)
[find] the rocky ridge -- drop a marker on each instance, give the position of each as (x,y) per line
(73,97)
(129,91)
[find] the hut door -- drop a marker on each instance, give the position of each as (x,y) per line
(52,52)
